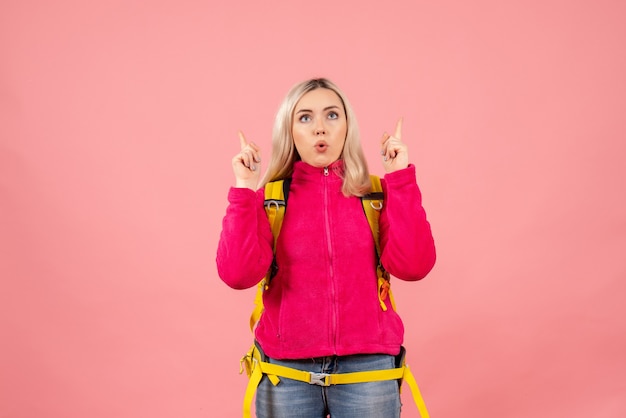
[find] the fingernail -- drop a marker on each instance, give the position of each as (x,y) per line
(253,168)
(385,158)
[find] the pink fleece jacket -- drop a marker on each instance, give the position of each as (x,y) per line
(323,300)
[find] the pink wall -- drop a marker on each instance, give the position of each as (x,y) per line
(117,125)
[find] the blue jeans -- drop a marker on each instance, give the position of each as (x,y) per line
(291,398)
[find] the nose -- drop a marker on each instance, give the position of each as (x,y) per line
(320,129)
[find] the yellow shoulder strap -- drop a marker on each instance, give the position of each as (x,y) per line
(275,205)
(372,205)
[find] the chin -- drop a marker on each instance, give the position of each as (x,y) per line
(317,163)
(321,162)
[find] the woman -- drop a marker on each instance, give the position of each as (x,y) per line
(322,312)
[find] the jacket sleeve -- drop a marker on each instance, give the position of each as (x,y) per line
(244,252)
(406,241)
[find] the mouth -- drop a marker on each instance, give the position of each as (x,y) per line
(321,146)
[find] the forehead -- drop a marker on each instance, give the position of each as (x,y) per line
(319,98)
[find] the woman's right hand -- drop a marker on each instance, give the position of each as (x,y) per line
(247,164)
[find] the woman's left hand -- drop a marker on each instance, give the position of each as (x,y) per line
(395,152)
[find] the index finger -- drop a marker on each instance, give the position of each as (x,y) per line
(398,133)
(242,140)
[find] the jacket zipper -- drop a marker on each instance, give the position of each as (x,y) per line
(333,290)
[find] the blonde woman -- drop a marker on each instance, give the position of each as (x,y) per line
(322,310)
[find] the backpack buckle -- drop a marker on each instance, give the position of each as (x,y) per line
(320,379)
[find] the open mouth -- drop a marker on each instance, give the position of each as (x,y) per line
(321,146)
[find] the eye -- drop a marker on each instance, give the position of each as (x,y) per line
(305,118)
(333,115)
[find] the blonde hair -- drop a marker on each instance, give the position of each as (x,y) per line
(356,181)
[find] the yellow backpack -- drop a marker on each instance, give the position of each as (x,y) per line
(255,363)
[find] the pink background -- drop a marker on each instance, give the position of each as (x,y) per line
(118,121)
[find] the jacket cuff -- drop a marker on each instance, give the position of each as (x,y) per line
(403,177)
(241,194)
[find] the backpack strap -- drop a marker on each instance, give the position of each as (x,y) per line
(372,205)
(276,194)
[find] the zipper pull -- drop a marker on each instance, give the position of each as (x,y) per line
(326,171)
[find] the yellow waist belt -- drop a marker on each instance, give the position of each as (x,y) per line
(255,368)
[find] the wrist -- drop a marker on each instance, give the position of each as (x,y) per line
(246,184)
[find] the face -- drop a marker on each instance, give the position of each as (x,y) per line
(319,127)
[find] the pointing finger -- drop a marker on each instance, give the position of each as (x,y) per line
(242,140)
(398,133)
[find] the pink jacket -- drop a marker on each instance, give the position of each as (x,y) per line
(323,300)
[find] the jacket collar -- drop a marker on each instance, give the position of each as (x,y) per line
(304,171)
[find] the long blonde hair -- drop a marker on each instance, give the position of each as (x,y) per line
(356,180)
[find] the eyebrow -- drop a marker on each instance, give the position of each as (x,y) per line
(325,109)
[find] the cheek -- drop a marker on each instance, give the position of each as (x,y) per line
(342,133)
(298,140)
(296,135)
(342,128)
